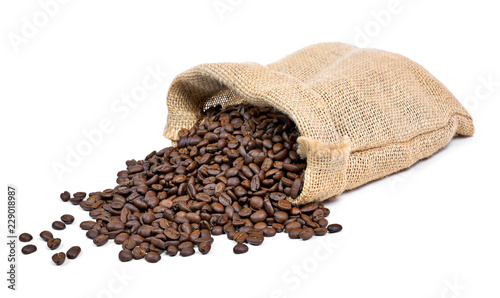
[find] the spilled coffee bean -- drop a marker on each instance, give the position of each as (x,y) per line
(28,249)
(73,252)
(59,258)
(25,237)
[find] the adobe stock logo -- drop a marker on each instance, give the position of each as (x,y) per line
(224,6)
(379,20)
(31,26)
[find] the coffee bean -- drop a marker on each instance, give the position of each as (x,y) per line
(269,232)
(28,249)
(294,233)
(125,255)
(172,250)
(65,196)
(255,239)
(152,257)
(204,247)
(87,225)
(53,243)
(46,235)
(58,225)
(73,252)
(25,237)
(334,228)
(240,248)
(186,252)
(101,240)
(67,219)
(92,234)
(59,258)
(138,253)
(306,234)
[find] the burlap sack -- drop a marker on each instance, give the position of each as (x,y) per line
(362,113)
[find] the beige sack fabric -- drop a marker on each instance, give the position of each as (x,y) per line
(362,113)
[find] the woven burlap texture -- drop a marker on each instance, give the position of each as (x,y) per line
(362,113)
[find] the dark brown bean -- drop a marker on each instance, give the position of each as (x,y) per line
(125,255)
(53,243)
(59,258)
(67,219)
(73,252)
(240,248)
(46,235)
(334,228)
(25,237)
(58,225)
(28,249)
(152,257)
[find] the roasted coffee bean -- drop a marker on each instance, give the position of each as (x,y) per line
(25,237)
(306,234)
(125,255)
(152,257)
(73,252)
(68,219)
(59,258)
(46,235)
(320,231)
(87,225)
(255,239)
(58,225)
(172,250)
(294,233)
(65,196)
(53,243)
(240,248)
(91,234)
(138,253)
(101,240)
(334,228)
(205,247)
(28,249)
(186,252)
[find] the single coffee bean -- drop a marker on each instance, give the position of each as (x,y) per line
(73,252)
(294,233)
(59,258)
(65,196)
(87,225)
(58,225)
(138,253)
(25,237)
(204,247)
(240,237)
(306,234)
(334,228)
(172,250)
(101,240)
(46,235)
(53,243)
(92,234)
(125,255)
(28,249)
(240,248)
(255,239)
(68,219)
(152,257)
(186,252)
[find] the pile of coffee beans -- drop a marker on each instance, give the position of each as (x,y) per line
(231,173)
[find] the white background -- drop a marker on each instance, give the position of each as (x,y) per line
(431,231)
